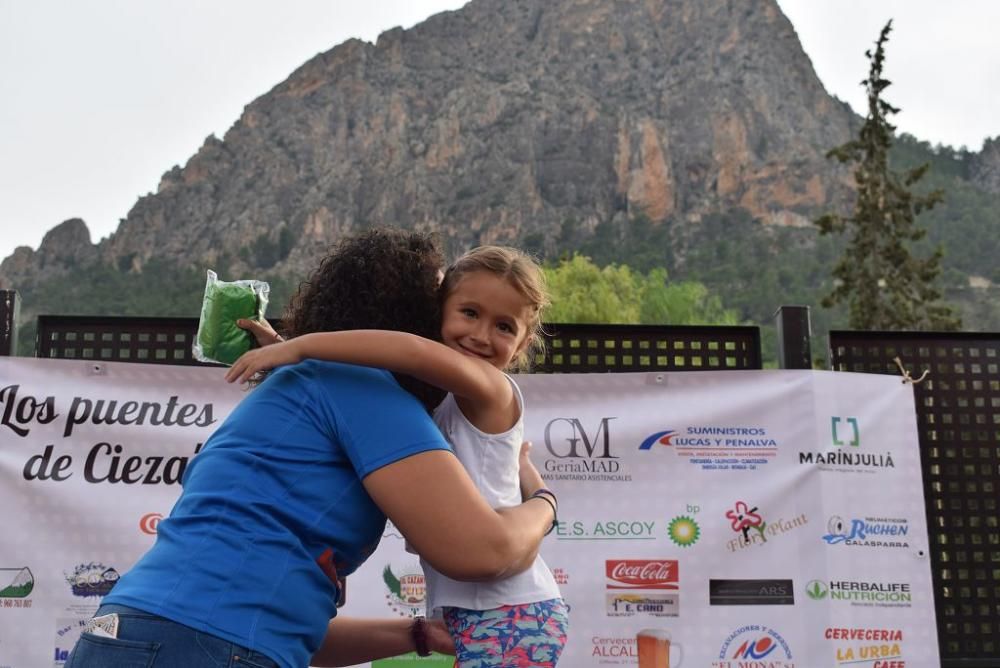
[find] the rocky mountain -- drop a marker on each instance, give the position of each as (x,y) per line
(686,134)
(492,124)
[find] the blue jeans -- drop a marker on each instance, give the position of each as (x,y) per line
(146,640)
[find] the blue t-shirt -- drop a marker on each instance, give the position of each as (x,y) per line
(273,504)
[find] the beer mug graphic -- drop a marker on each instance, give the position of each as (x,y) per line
(656,650)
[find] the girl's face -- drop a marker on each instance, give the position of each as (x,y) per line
(486,317)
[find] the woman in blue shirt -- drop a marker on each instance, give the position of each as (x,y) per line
(293,490)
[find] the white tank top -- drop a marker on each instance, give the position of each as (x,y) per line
(492,462)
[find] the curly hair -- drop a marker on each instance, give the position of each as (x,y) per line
(383,278)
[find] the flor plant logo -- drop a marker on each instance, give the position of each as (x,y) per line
(845,431)
(742,518)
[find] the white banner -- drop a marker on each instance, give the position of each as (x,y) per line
(759,519)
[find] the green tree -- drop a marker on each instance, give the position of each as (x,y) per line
(883,284)
(615,294)
(583,292)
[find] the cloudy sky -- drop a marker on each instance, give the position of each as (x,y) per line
(101,97)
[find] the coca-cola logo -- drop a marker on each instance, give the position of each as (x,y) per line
(642,573)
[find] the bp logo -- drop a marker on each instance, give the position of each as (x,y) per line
(683,531)
(406,592)
(817,590)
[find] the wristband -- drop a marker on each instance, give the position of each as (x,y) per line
(544,495)
(543,490)
(418,631)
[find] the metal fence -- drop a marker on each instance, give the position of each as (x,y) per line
(958,416)
(569,348)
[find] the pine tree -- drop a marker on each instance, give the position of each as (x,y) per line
(884,285)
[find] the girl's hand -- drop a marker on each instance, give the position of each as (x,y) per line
(261,330)
(263,359)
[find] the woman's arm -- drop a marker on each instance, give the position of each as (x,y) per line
(433,502)
(350,640)
(400,352)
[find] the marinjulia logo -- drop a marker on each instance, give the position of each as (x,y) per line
(407,592)
(16,582)
(846,454)
(93,579)
(882,532)
(754,643)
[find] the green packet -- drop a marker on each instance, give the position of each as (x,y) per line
(219,340)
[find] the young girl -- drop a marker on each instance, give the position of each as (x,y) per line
(491,320)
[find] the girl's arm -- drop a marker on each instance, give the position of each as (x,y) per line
(466,377)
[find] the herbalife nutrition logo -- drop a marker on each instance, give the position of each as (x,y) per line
(817,590)
(857,593)
(846,454)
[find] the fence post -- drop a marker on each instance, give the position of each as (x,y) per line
(10,309)
(792,323)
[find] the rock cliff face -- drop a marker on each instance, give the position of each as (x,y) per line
(64,247)
(986,166)
(498,121)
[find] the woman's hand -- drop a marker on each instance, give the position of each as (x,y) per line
(263,359)
(438,638)
(531,479)
(261,331)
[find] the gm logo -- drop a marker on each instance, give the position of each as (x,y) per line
(845,431)
(567,437)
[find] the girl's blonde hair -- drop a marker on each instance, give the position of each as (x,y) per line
(523,273)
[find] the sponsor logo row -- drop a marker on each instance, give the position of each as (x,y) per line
(579,451)
(641,588)
(760,646)
(652,587)
(744,525)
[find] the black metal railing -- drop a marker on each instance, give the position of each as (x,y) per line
(958,420)
(569,348)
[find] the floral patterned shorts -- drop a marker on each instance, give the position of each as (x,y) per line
(531,634)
